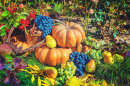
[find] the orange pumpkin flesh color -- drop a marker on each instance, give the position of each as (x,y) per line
(68,35)
(52,56)
(17,40)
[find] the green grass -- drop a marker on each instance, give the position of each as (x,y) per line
(118,73)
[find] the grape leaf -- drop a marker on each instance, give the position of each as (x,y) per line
(2,30)
(89,38)
(9,57)
(5,13)
(2,7)
(87,42)
(16,24)
(102,42)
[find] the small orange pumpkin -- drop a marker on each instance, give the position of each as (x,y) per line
(52,56)
(68,35)
(78,48)
(83,47)
(18,40)
(86,48)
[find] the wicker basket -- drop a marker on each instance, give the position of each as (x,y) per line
(33,36)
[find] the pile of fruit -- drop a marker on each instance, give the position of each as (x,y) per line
(61,62)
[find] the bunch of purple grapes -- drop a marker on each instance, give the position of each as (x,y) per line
(80,60)
(45,24)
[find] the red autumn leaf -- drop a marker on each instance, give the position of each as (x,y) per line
(5,48)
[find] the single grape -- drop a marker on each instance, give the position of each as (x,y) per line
(61,69)
(60,78)
(98,62)
(97,58)
(56,82)
(69,69)
(100,57)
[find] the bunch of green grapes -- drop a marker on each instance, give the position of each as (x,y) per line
(65,72)
(96,55)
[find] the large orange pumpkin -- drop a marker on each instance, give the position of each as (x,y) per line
(52,56)
(68,35)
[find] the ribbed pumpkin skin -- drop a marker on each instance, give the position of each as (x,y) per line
(52,56)
(68,35)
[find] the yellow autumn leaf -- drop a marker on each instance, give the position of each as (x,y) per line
(86,77)
(37,67)
(39,81)
(86,84)
(104,83)
(51,80)
(45,83)
(74,82)
(34,72)
(32,79)
(34,68)
(124,37)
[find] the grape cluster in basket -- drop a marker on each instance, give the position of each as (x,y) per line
(66,71)
(45,24)
(80,60)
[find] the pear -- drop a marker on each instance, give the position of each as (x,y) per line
(109,60)
(90,66)
(50,41)
(118,58)
(51,72)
